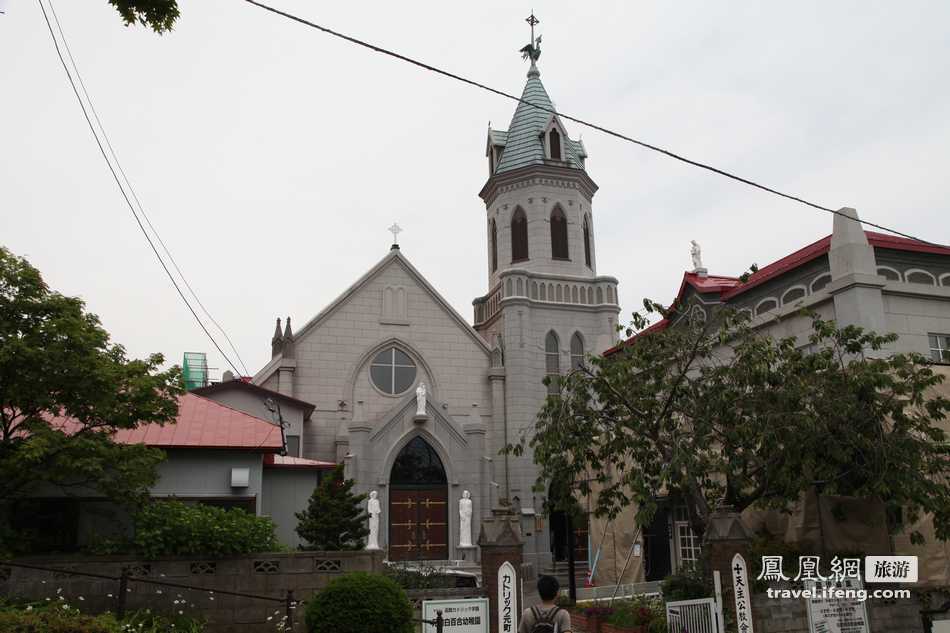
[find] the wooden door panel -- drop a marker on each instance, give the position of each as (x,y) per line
(403,510)
(418,524)
(433,524)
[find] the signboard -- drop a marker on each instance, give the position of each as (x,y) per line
(459,616)
(740,585)
(507,599)
(834,607)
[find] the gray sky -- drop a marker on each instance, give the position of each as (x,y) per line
(272,157)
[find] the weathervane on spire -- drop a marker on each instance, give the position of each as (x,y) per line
(533,49)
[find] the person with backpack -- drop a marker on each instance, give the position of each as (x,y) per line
(546,617)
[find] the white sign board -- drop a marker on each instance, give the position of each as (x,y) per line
(507,599)
(740,586)
(835,609)
(459,616)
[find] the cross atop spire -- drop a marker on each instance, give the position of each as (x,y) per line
(533,50)
(395,229)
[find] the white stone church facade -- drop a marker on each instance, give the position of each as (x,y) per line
(361,359)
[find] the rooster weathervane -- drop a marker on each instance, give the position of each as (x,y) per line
(533,49)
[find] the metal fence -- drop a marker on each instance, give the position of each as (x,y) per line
(695,616)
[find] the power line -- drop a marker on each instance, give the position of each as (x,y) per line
(579,121)
(128,183)
(138,221)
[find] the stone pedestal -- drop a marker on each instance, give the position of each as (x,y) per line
(501,541)
(725,537)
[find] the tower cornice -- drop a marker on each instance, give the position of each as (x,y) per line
(550,173)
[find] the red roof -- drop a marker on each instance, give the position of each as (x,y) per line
(297,463)
(729,287)
(201,423)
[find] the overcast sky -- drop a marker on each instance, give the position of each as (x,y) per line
(272,158)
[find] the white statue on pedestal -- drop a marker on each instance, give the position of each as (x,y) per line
(421,399)
(465,519)
(697,255)
(372,506)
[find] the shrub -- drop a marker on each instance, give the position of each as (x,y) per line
(172,528)
(687,584)
(639,611)
(59,617)
(21,620)
(360,603)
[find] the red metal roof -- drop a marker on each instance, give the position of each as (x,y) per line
(299,463)
(730,287)
(201,423)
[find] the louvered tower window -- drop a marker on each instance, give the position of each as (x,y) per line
(519,236)
(559,234)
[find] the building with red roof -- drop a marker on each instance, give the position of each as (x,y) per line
(881,282)
(216,454)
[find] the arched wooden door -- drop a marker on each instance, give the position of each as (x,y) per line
(418,504)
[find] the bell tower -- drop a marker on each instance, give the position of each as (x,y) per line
(546,307)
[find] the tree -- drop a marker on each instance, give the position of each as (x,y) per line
(334,519)
(713,412)
(158,14)
(56,361)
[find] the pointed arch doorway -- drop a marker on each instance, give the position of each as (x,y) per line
(418,504)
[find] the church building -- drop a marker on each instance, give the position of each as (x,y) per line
(391,344)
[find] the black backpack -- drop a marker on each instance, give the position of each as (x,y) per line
(545,623)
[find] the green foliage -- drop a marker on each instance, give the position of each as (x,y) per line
(334,519)
(639,611)
(56,359)
(59,617)
(173,528)
(713,411)
(688,583)
(160,15)
(360,603)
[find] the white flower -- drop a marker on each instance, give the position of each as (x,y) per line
(81,598)
(65,606)
(29,607)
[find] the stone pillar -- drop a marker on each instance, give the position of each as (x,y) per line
(500,542)
(496,376)
(725,537)
(855,284)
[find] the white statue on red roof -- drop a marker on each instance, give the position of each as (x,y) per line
(697,256)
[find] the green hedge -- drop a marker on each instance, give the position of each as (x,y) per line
(172,528)
(360,603)
(59,617)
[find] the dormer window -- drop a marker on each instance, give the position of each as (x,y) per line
(554,144)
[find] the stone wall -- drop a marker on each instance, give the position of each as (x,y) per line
(267,575)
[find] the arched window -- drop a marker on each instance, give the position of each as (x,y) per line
(558,233)
(519,236)
(493,236)
(577,351)
(554,144)
(552,362)
(587,241)
(417,465)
